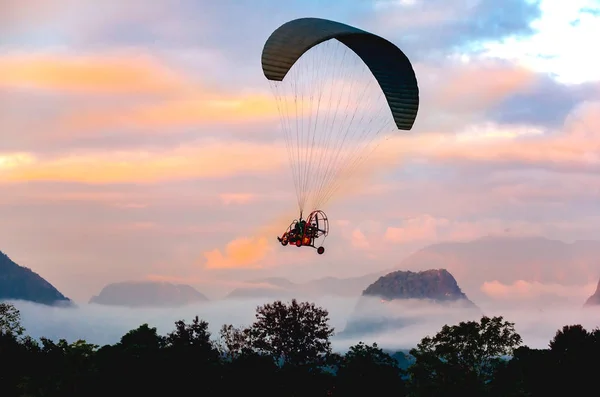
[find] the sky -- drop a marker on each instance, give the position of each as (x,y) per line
(142,142)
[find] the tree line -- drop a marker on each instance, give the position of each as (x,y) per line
(287,352)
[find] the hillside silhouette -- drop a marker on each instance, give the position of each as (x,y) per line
(21,283)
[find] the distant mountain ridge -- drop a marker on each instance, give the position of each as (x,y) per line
(507,260)
(21,283)
(281,288)
(594,299)
(502,258)
(397,299)
(434,284)
(148,294)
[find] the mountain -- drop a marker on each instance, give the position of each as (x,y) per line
(594,300)
(509,259)
(270,288)
(502,258)
(281,288)
(437,285)
(403,357)
(21,283)
(148,294)
(402,299)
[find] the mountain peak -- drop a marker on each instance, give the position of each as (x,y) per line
(594,300)
(21,283)
(433,284)
(147,293)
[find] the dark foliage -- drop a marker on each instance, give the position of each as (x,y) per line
(287,352)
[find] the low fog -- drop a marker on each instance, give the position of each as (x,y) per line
(537,323)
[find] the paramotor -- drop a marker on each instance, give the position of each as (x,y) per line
(305,232)
(339,91)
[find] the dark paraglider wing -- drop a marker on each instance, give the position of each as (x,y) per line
(389,65)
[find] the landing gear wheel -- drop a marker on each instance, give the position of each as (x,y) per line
(320,250)
(298,243)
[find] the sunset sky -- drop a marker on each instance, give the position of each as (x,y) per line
(140,139)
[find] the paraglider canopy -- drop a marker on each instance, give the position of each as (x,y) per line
(339,89)
(391,68)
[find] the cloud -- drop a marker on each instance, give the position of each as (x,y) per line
(17,16)
(572,150)
(426,27)
(591,11)
(165,116)
(359,240)
(421,229)
(496,82)
(545,102)
(15,160)
(116,74)
(521,291)
(237,198)
(506,94)
(239,253)
(424,229)
(101,324)
(214,159)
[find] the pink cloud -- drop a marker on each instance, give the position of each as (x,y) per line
(523,290)
(574,148)
(425,229)
(237,198)
(495,81)
(359,240)
(420,229)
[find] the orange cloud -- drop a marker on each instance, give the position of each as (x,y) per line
(212,160)
(197,109)
(10,161)
(239,253)
(116,74)
(252,252)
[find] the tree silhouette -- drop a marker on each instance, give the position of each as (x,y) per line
(10,320)
(297,334)
(139,354)
(574,355)
(234,341)
(190,356)
(142,341)
(62,368)
(368,370)
(15,352)
(251,373)
(462,357)
(527,373)
(287,352)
